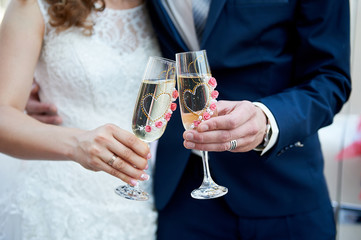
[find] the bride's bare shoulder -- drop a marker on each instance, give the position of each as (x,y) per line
(23,12)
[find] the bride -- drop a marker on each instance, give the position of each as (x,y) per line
(88,57)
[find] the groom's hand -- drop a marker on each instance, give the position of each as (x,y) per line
(241,121)
(44,112)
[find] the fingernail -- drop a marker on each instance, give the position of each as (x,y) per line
(146,167)
(144,176)
(189,136)
(133,182)
(149,156)
(190,145)
(203,128)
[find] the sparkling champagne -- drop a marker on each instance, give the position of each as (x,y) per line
(195,97)
(152,110)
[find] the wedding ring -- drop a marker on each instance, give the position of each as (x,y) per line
(111,161)
(233,145)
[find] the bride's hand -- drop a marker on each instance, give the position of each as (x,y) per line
(115,151)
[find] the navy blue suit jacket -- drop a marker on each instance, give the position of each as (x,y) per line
(291,55)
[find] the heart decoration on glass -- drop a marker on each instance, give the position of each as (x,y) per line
(192,96)
(158,117)
(157,114)
(203,112)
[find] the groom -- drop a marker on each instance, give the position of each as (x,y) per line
(289,59)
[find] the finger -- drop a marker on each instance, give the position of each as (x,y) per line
(128,155)
(222,122)
(116,173)
(225,107)
(128,147)
(55,120)
(243,145)
(214,147)
(217,136)
(248,131)
(132,142)
(229,117)
(36,107)
(125,168)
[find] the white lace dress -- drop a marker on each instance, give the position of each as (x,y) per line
(92,80)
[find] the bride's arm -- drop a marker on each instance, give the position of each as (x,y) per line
(21,35)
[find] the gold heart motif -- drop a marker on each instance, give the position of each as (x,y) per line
(154,111)
(201,109)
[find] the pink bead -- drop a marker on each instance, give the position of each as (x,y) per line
(148,128)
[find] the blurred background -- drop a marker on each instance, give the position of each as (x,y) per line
(341,143)
(2,6)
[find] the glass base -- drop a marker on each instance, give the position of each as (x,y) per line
(132,193)
(209,192)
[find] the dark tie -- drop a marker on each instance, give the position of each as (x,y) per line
(200,10)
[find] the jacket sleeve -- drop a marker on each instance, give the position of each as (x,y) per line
(321,81)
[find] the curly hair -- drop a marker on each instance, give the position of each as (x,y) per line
(67,13)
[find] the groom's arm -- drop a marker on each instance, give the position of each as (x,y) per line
(319,86)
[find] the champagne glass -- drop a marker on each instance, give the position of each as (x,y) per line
(197,103)
(152,111)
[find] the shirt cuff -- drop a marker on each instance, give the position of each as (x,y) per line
(274,126)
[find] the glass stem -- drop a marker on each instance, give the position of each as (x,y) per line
(207,179)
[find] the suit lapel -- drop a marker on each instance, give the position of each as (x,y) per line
(214,12)
(165,18)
